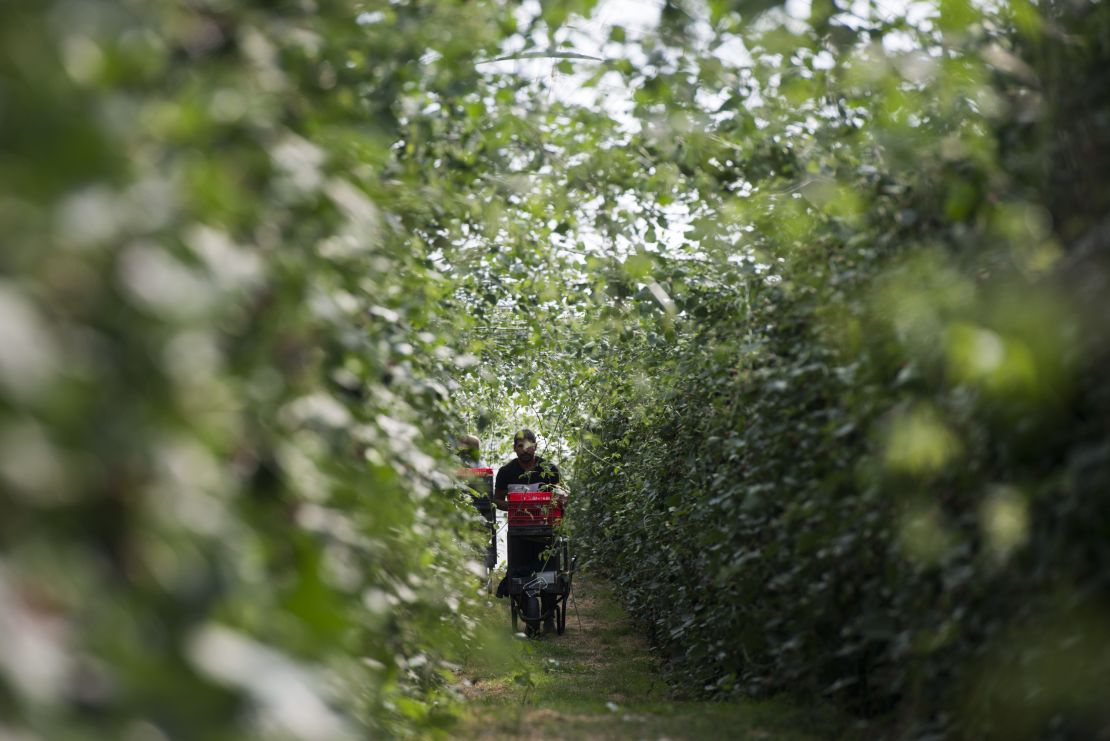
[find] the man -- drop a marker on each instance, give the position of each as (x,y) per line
(528,470)
(468,447)
(531,473)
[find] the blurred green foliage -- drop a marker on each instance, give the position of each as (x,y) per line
(227,370)
(867,459)
(825,330)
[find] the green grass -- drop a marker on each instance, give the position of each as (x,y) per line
(599,680)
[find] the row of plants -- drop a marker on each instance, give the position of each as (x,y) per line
(862,456)
(228,368)
(822,321)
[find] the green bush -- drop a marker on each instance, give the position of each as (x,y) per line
(870,466)
(822,320)
(227,367)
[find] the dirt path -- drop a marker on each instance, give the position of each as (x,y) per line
(599,681)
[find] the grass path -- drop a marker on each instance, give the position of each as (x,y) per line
(599,681)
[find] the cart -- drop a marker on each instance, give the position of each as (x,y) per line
(540,567)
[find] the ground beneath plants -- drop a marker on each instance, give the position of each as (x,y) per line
(599,680)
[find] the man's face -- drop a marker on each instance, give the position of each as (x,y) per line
(525,450)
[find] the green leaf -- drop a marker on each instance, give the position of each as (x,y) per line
(638,266)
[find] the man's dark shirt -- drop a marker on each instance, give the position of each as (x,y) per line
(544,473)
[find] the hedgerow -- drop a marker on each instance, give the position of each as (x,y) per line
(227,371)
(819,313)
(866,468)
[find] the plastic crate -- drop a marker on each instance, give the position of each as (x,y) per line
(532,509)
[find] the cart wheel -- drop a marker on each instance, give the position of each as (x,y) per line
(561,617)
(532,609)
(515,612)
(531,615)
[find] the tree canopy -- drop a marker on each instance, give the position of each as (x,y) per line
(809,301)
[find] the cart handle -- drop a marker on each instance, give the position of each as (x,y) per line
(535,586)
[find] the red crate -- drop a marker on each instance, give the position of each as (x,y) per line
(532,508)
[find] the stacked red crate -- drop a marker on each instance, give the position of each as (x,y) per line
(475,472)
(533,508)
